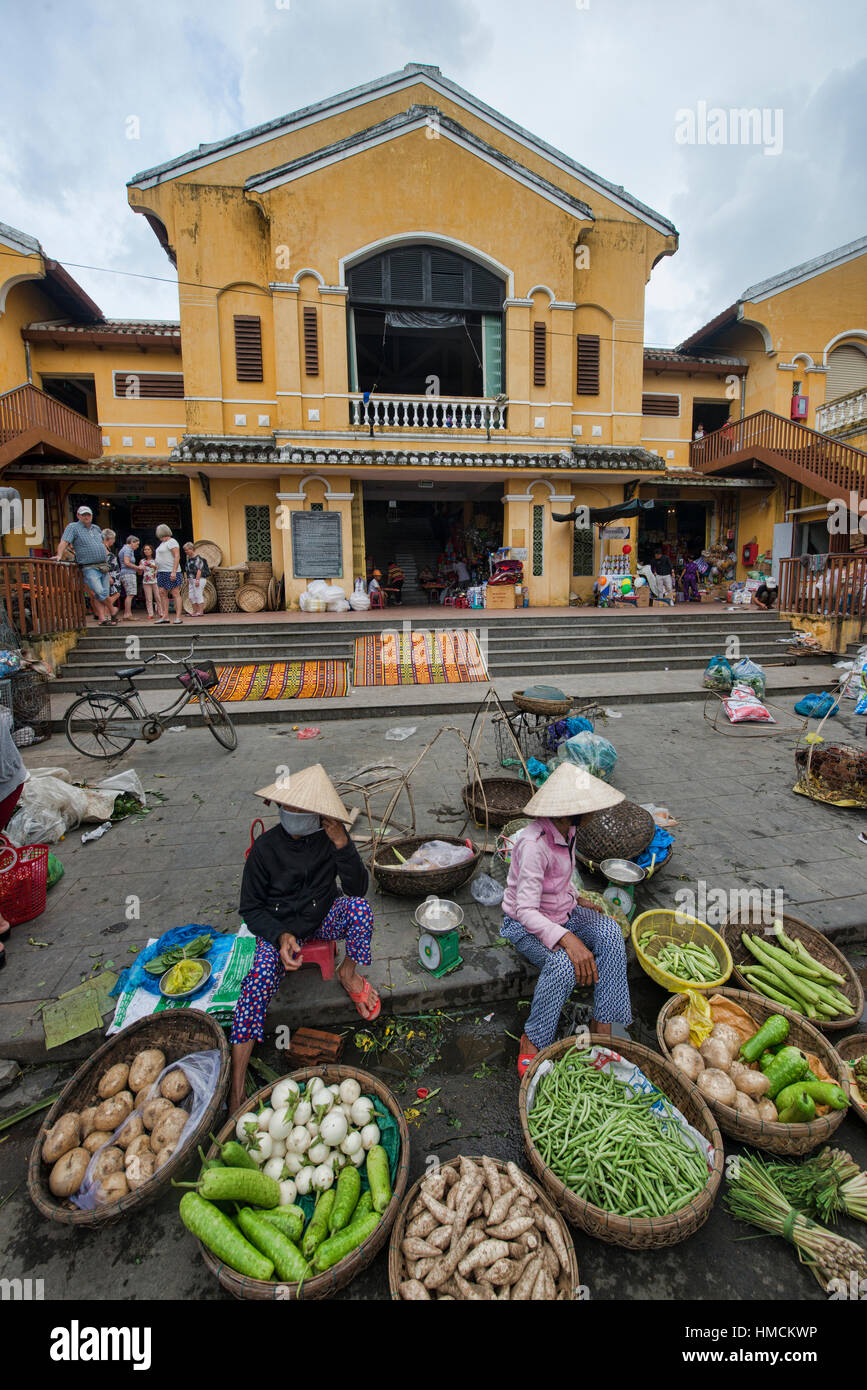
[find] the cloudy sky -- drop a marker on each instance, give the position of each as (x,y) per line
(603,80)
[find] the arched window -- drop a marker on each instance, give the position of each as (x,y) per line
(847,371)
(425,320)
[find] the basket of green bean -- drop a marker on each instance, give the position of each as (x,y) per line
(613,1159)
(680,952)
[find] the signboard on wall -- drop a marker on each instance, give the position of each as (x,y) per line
(147,515)
(317,545)
(616,533)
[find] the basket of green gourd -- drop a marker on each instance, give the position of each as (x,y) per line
(718,1068)
(793,964)
(299,1231)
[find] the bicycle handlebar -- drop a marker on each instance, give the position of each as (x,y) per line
(181,660)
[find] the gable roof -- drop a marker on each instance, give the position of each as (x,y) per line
(407,76)
(416,118)
(786,280)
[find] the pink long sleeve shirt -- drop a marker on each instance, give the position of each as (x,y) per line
(539,892)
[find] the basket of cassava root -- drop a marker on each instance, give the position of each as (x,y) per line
(479,1229)
(127,1107)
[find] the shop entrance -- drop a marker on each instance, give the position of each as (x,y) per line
(436,532)
(679,529)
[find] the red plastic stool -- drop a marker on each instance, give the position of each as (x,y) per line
(321,953)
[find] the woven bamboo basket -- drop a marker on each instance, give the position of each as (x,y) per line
(619,832)
(320,1285)
(817,944)
(176,1033)
(567,1283)
(791,1140)
(851,1050)
(635,1233)
(210,551)
(551,708)
(227,583)
(250,598)
(410,883)
(496,800)
(210,598)
(259,572)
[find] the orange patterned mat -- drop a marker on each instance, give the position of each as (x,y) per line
(283,680)
(419,658)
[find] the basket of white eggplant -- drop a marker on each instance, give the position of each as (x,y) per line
(301,1131)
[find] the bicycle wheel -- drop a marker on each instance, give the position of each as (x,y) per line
(87,720)
(218,721)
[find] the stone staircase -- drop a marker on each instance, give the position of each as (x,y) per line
(528,647)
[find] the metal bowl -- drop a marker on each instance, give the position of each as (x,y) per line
(622,871)
(456,915)
(187,993)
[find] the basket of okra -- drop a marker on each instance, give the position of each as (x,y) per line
(680,952)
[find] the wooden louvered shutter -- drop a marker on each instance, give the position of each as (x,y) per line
(588,364)
(248,347)
(311,342)
(660,405)
(149,386)
(539,347)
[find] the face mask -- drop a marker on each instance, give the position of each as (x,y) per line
(299,822)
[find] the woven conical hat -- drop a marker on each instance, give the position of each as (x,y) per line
(311,789)
(572,791)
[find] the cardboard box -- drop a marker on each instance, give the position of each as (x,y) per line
(500,596)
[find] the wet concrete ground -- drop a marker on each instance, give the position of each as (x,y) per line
(149,1255)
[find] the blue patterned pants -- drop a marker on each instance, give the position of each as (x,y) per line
(602,936)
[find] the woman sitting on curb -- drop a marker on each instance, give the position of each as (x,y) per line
(564,935)
(289,895)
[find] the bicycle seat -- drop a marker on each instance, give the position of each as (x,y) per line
(127,672)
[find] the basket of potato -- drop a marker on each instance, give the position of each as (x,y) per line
(129,1084)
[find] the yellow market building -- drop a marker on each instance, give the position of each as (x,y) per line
(397,306)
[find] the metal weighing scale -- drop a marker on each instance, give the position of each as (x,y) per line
(623,878)
(439,943)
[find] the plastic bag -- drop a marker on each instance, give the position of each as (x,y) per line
(316,588)
(398,734)
(438,854)
(718,675)
(339,605)
(359,601)
(487,891)
(699,1017)
(748,673)
(202,1070)
(744,707)
(48,807)
(818,706)
(590,751)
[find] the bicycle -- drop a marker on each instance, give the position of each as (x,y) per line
(113,720)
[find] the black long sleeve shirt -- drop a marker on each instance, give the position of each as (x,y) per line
(290,885)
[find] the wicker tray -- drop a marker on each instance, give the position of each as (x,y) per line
(546,707)
(849,1050)
(791,1140)
(210,551)
(320,1285)
(619,832)
(818,946)
(638,1233)
(567,1284)
(419,883)
(251,598)
(210,598)
(496,800)
(176,1034)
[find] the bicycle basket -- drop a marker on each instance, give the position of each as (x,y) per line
(206,672)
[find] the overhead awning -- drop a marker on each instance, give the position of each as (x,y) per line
(599,515)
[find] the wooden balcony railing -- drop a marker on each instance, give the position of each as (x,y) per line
(828,466)
(836,590)
(42,596)
(30,415)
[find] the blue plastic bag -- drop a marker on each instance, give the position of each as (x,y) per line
(746,672)
(658,847)
(590,751)
(718,675)
(817,706)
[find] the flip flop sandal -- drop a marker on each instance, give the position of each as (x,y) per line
(362,996)
(525,1062)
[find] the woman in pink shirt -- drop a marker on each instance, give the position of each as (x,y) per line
(565,936)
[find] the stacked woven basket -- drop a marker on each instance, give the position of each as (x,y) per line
(228,582)
(252,596)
